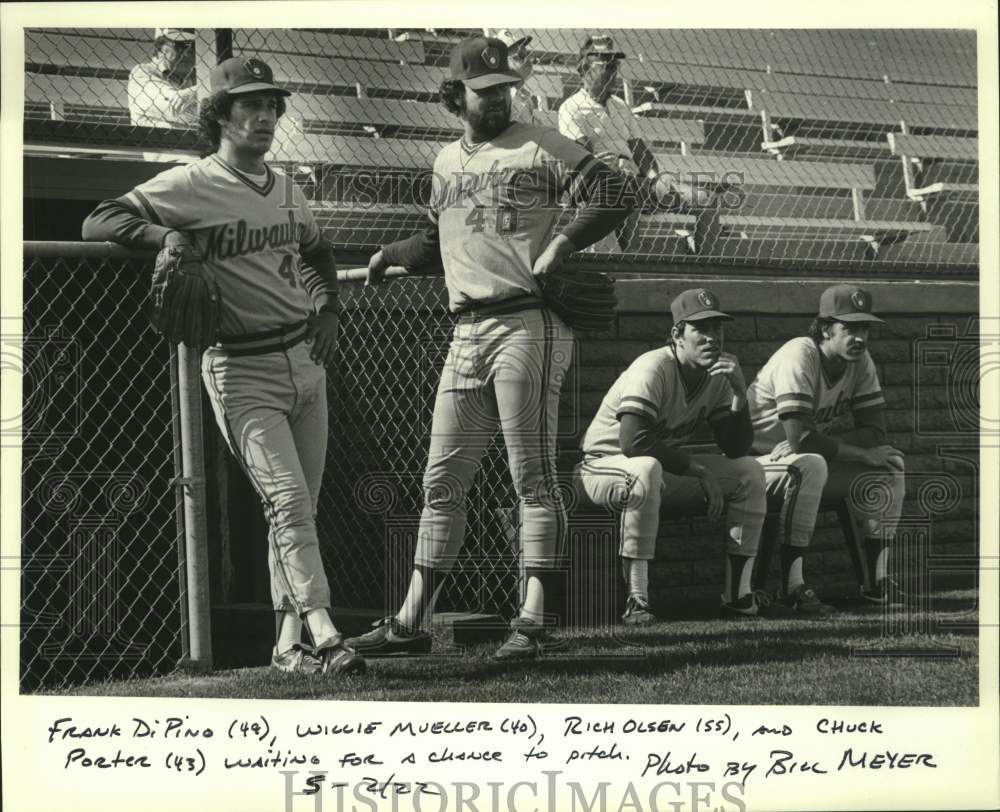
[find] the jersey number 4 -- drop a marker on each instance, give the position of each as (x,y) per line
(506,220)
(287,270)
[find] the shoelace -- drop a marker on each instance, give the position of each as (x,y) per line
(763,598)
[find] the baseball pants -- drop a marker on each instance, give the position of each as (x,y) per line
(271,409)
(797,481)
(502,371)
(801,481)
(640,489)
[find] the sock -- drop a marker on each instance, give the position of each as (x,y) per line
(425,586)
(791,568)
(533,607)
(739,569)
(875,555)
(636,572)
(320,626)
(288,631)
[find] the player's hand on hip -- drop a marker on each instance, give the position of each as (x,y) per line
(728,366)
(321,337)
(377,267)
(552,257)
(716,502)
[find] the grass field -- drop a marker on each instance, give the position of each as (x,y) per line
(696,661)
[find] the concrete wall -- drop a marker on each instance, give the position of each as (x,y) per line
(924,357)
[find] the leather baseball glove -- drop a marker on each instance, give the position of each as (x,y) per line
(184,298)
(585,300)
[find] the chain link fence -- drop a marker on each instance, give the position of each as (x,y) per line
(102,539)
(101,553)
(844,149)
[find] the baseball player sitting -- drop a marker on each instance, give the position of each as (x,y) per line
(253,230)
(494,204)
(819,422)
(603,123)
(633,462)
(161,92)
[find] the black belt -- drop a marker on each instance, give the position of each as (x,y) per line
(277,340)
(501,308)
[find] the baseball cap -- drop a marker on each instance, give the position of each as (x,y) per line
(174,34)
(696,305)
(847,303)
(481,62)
(506,36)
(601,45)
(240,74)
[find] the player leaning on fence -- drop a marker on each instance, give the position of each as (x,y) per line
(633,461)
(279,321)
(494,205)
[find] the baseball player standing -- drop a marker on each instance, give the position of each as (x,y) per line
(819,422)
(633,462)
(279,320)
(494,205)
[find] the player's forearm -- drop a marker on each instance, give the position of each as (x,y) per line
(870,428)
(638,437)
(610,199)
(734,433)
(116,221)
(319,277)
(421,251)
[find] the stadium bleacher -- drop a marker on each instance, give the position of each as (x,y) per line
(850,148)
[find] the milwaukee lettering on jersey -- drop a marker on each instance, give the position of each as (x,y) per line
(239,238)
(256,259)
(652,387)
(793,382)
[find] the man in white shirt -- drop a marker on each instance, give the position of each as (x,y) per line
(161,92)
(604,124)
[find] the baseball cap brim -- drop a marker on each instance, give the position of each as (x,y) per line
(859,317)
(491,79)
(255,87)
(518,43)
(701,315)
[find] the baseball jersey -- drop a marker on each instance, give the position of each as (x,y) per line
(154,101)
(793,382)
(250,233)
(495,205)
(652,387)
(607,127)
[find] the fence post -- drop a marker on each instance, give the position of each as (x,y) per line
(195,520)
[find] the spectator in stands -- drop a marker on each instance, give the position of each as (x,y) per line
(819,422)
(606,125)
(633,460)
(523,103)
(161,92)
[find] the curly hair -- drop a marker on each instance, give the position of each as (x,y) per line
(452,94)
(815,331)
(220,105)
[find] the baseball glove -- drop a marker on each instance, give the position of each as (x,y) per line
(184,298)
(585,300)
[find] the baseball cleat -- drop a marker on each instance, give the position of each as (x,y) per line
(746,606)
(390,638)
(885,593)
(769,607)
(335,657)
(295,660)
(524,642)
(803,600)
(637,612)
